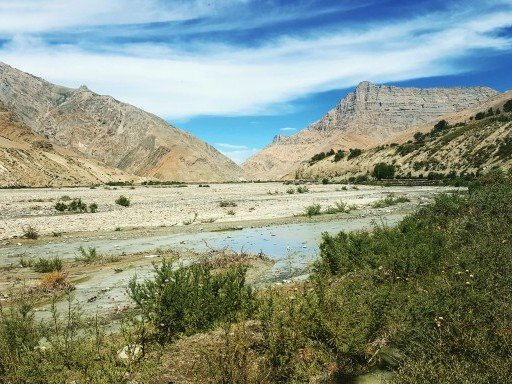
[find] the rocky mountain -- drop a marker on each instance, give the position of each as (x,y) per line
(116,134)
(468,142)
(29,159)
(364,118)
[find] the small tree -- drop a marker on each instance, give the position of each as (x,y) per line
(507,107)
(123,201)
(383,171)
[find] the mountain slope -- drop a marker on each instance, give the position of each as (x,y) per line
(364,118)
(29,159)
(463,145)
(114,133)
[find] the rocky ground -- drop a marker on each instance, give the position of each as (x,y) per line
(185,209)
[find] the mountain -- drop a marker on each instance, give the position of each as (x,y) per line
(467,142)
(364,118)
(29,159)
(116,134)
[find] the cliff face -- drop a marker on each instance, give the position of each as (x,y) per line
(114,133)
(364,118)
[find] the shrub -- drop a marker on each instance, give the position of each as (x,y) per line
(227,203)
(290,191)
(55,280)
(339,155)
(123,201)
(313,210)
(30,233)
(43,265)
(389,201)
(383,171)
(339,207)
(60,206)
(507,107)
(231,212)
(354,152)
(77,205)
(190,299)
(303,189)
(93,207)
(88,256)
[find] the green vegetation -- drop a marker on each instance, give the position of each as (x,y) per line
(302,189)
(320,156)
(191,299)
(354,152)
(339,207)
(507,107)
(428,299)
(383,171)
(74,205)
(44,265)
(123,201)
(88,256)
(389,201)
(313,210)
(30,232)
(227,203)
(339,155)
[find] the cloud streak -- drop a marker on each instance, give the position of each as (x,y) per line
(180,81)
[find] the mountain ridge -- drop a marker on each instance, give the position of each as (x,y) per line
(115,133)
(362,119)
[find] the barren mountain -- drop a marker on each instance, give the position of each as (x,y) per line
(363,119)
(114,133)
(470,141)
(29,159)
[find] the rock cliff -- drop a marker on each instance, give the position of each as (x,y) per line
(364,118)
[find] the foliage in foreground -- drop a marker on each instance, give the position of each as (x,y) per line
(190,299)
(429,298)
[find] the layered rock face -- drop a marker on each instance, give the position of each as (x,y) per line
(364,118)
(29,159)
(114,133)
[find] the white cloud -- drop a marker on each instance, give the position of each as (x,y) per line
(237,153)
(288,129)
(24,16)
(213,79)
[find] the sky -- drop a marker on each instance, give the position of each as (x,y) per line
(236,73)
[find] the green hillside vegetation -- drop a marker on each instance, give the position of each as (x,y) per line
(463,151)
(428,299)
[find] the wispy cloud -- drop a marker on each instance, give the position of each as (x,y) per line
(179,81)
(237,153)
(288,129)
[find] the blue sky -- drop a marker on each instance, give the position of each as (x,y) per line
(237,72)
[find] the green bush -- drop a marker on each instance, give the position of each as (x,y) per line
(123,201)
(60,206)
(93,207)
(507,107)
(339,155)
(383,171)
(388,201)
(354,152)
(190,299)
(44,265)
(88,256)
(303,189)
(313,210)
(30,233)
(227,203)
